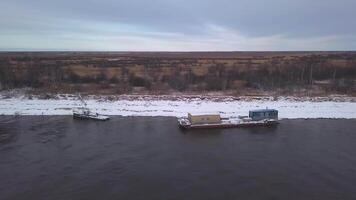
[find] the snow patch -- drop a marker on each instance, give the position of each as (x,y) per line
(290,108)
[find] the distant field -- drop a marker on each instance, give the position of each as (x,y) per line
(233,73)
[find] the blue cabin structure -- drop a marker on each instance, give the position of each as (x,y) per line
(261,114)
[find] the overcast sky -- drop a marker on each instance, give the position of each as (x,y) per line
(178,25)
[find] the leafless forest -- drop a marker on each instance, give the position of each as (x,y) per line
(233,73)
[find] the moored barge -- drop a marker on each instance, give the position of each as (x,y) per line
(263,117)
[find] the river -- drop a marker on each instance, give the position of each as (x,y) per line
(57,157)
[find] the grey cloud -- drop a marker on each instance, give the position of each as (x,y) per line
(293,18)
(302,17)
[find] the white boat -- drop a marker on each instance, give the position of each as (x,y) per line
(85,113)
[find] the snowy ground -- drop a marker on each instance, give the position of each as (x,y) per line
(163,106)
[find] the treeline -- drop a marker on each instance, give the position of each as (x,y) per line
(308,72)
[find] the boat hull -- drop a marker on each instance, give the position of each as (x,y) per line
(80,116)
(229,125)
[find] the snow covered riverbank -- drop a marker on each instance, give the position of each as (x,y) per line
(161,106)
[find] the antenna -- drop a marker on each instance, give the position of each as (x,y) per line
(82,100)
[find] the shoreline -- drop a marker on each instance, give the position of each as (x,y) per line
(11,117)
(333,107)
(28,93)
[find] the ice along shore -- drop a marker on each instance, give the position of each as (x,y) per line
(143,105)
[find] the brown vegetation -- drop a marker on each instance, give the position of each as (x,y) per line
(237,73)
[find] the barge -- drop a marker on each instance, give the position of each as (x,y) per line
(263,117)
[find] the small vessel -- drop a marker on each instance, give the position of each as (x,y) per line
(85,113)
(263,117)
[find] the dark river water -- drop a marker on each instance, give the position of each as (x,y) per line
(144,158)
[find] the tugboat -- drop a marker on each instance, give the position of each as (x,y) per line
(85,113)
(263,117)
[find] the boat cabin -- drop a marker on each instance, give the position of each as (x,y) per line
(204,118)
(261,114)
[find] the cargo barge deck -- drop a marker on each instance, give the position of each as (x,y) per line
(261,117)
